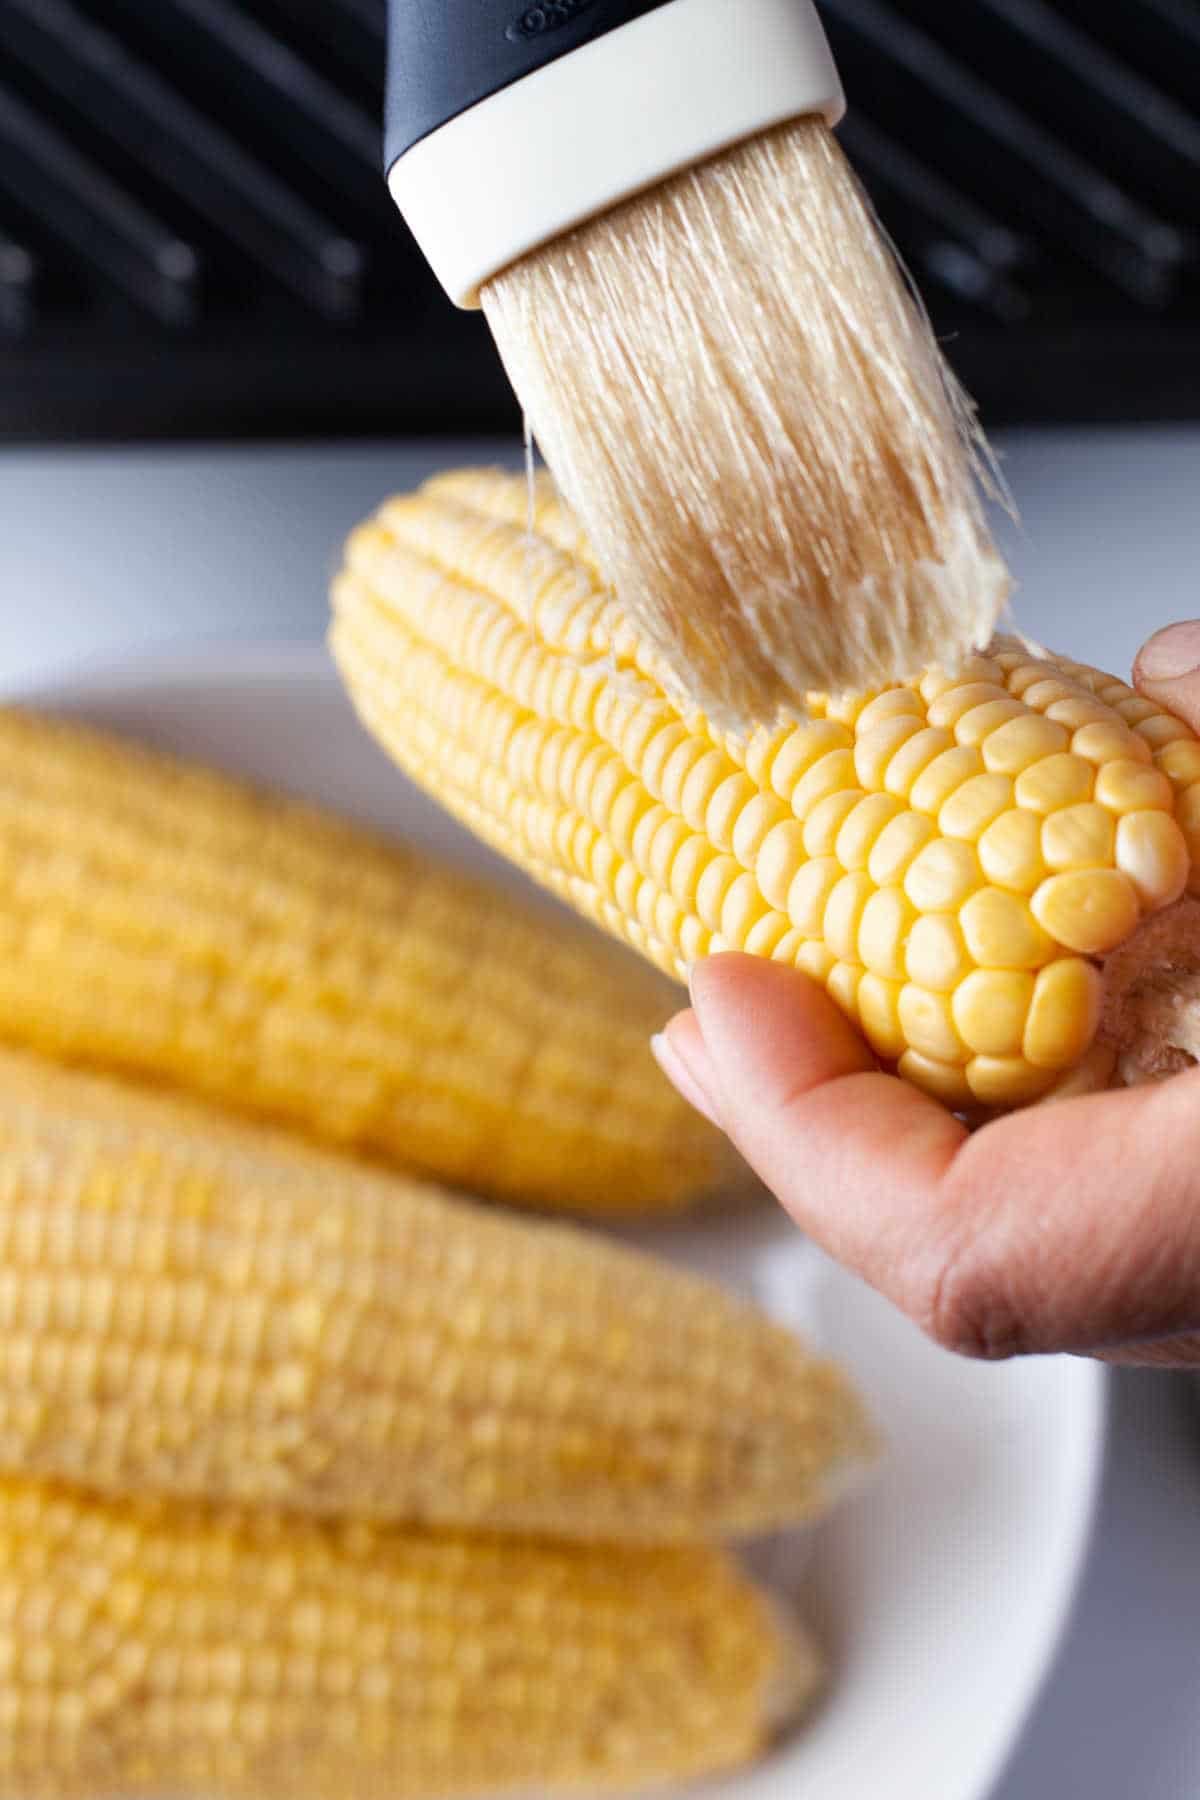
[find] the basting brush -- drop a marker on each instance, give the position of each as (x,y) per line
(714,344)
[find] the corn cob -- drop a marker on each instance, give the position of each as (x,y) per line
(152,1649)
(193,1305)
(161,919)
(952,858)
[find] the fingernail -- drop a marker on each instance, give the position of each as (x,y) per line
(1171,653)
(682,1077)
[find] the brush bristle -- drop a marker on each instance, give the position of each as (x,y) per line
(744,403)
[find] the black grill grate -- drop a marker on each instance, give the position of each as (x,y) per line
(195,239)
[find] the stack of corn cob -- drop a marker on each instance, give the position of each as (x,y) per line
(314,1479)
(164,921)
(986,870)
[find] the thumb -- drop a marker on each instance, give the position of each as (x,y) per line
(855,1156)
(1167,671)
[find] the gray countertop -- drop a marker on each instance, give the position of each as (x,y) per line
(108,555)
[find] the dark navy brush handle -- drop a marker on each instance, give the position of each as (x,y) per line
(445,55)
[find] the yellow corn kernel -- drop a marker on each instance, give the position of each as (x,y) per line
(643,838)
(944,1081)
(1055,782)
(911,760)
(936,956)
(725,809)
(1161,730)
(223,1312)
(742,909)
(879,1016)
(974,806)
(1005,1081)
(1001,931)
(892,703)
(759,816)
(789,946)
(843,914)
(842,983)
(658,751)
(1179,762)
(164,1649)
(1079,837)
(1105,687)
(843,707)
(600,778)
(1187,817)
(980,667)
(679,768)
(666,844)
(1090,910)
(815,960)
(1107,743)
(883,931)
(809,893)
(1063,1013)
(974,725)
(1134,710)
(875,748)
(1010,852)
(961,698)
(939,828)
(862,826)
(762,747)
(671,925)
(1152,853)
(780,856)
(687,868)
(1023,674)
(942,875)
(935,784)
(1044,694)
(765,937)
(800,751)
(830,774)
(972,668)
(927,1020)
(629,808)
(934,682)
(1078,710)
(991,1007)
(1021,742)
(712,887)
(1133,787)
(896,846)
(705,777)
(824,822)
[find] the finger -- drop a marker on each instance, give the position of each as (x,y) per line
(1157,1353)
(1081,1225)
(1167,671)
(855,1156)
(679,1052)
(1067,1227)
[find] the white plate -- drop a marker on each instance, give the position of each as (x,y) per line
(942,1588)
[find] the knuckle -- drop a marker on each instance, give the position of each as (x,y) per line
(961,1301)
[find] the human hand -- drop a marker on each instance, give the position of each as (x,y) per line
(1068,1227)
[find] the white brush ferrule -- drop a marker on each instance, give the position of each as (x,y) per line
(613,117)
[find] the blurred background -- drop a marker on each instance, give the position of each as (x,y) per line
(219,348)
(195,240)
